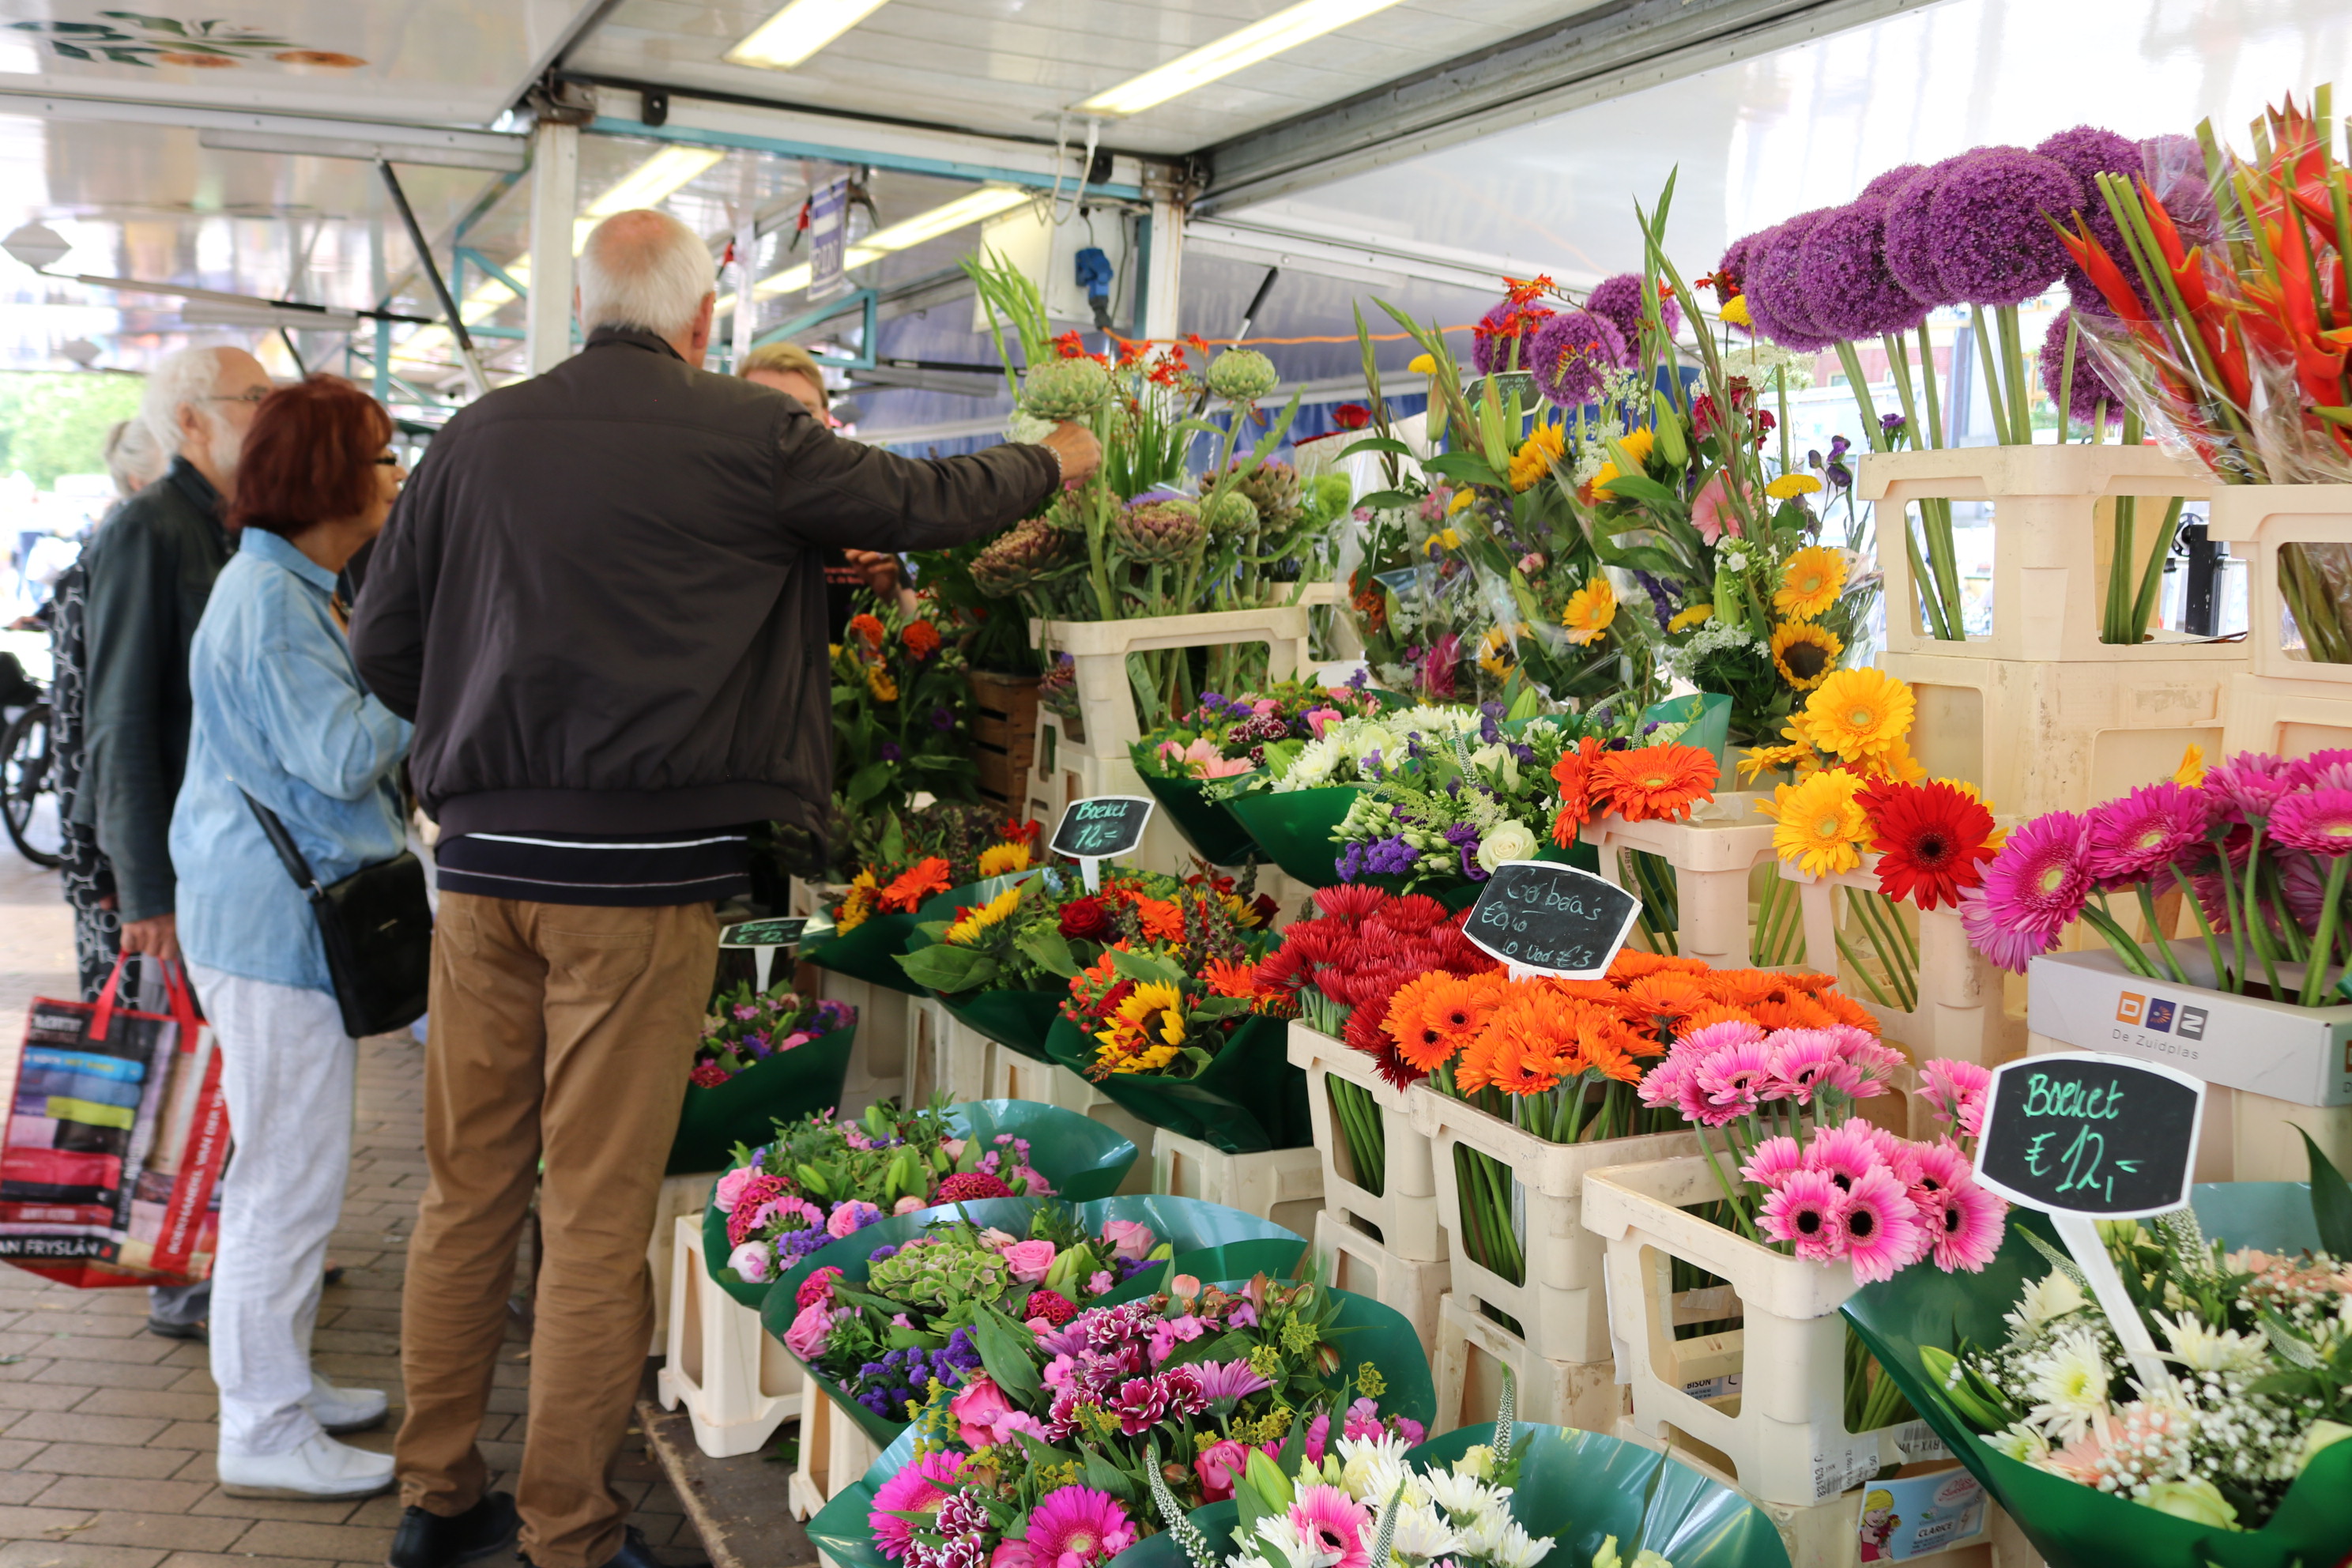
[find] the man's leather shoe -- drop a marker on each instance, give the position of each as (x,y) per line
(442,1541)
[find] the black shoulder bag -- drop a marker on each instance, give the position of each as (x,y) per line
(378,930)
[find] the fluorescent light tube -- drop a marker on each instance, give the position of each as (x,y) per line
(651,182)
(798,31)
(1260,41)
(946,218)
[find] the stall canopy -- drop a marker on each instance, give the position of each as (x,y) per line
(1409,151)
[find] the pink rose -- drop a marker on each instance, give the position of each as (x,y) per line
(751,1260)
(906,1205)
(1100,1282)
(1321,719)
(806,1337)
(952,1148)
(1129,1238)
(729,1187)
(1013,1555)
(850,1215)
(1219,1465)
(983,1415)
(1029,1261)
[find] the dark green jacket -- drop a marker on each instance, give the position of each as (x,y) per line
(150,570)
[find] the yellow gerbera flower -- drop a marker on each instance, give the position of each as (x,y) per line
(1590,611)
(1804,654)
(1691,615)
(1859,714)
(1772,760)
(1735,312)
(997,910)
(1897,765)
(879,683)
(1789,486)
(1544,447)
(998,859)
(1810,582)
(1820,827)
(2191,771)
(1423,364)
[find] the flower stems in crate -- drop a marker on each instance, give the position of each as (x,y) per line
(1653,877)
(1358,1118)
(1779,936)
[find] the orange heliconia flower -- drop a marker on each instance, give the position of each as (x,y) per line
(1656,782)
(1433,1016)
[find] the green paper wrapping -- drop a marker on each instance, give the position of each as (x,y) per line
(1084,1158)
(1194,1228)
(790,1085)
(1247,1100)
(1372,1332)
(1294,829)
(2073,1526)
(1205,824)
(1017,1020)
(868,953)
(1709,714)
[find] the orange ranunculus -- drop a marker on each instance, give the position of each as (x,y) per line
(912,886)
(868,628)
(1433,1016)
(1656,782)
(921,637)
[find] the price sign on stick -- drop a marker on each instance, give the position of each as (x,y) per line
(1102,828)
(763,938)
(1542,918)
(2084,1138)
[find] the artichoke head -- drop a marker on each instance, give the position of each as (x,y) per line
(1242,375)
(1156,530)
(1063,389)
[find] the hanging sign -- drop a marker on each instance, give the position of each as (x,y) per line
(1103,827)
(763,938)
(828,238)
(2084,1138)
(1543,918)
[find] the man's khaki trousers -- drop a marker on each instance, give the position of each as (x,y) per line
(561,1035)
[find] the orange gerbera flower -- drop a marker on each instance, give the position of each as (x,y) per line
(1810,981)
(1573,773)
(1225,978)
(868,629)
(1709,1012)
(1845,1009)
(1433,1016)
(1799,1011)
(1663,994)
(1632,962)
(1611,1054)
(1743,987)
(1657,782)
(1600,990)
(1162,921)
(915,884)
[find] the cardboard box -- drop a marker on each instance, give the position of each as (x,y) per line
(2089,1001)
(1918,1512)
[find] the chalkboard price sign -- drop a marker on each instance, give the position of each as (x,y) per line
(1538,915)
(1101,828)
(2079,1133)
(781,933)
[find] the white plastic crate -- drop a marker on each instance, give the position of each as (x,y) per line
(1560,1304)
(737,1383)
(1351,1260)
(682,1197)
(1402,1216)
(1062,771)
(1783,1436)
(878,1063)
(1467,1364)
(2052,527)
(2291,718)
(944,1055)
(2256,521)
(1285,1185)
(1098,650)
(835,1453)
(1712,860)
(1012,1076)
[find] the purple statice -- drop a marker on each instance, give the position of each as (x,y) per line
(1841,277)
(1893,180)
(1570,354)
(1361,679)
(1498,328)
(1910,251)
(1777,299)
(882,1254)
(794,1245)
(2088,151)
(2092,398)
(1991,226)
(1619,299)
(1894,424)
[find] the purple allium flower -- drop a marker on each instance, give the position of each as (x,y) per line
(1732,270)
(1490,350)
(1884,187)
(2319,822)
(1776,301)
(1989,223)
(2040,879)
(2091,391)
(1619,299)
(2134,838)
(2175,166)
(2087,153)
(1841,277)
(1909,233)
(1569,354)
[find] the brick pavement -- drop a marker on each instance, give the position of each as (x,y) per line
(107,1433)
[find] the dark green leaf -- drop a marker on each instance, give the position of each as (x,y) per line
(2331,1200)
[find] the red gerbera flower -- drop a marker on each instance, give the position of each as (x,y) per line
(1930,840)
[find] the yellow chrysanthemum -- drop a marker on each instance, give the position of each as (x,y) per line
(1859,714)
(1495,652)
(1804,654)
(880,682)
(1820,827)
(1789,486)
(997,910)
(1735,312)
(1810,582)
(1638,445)
(2191,771)
(1543,448)
(1423,364)
(999,859)
(1590,611)
(1691,615)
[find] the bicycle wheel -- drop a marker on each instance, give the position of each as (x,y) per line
(28,800)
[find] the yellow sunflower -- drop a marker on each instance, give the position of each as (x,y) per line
(1735,312)
(1638,445)
(1146,1028)
(1821,827)
(1804,654)
(1590,611)
(1810,582)
(1602,476)
(1691,615)
(879,683)
(997,910)
(1495,652)
(998,859)
(1789,486)
(1543,447)
(857,904)
(1859,714)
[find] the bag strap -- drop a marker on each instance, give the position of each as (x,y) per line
(283,842)
(102,1017)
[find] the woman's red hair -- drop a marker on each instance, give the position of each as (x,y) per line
(310,456)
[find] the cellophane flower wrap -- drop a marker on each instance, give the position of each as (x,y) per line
(751,1026)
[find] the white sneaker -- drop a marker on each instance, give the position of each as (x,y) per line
(320,1468)
(342,1410)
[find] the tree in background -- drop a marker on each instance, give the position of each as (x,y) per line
(53,424)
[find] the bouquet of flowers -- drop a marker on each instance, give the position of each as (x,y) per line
(2258,843)
(752,1027)
(1224,736)
(928,852)
(898,702)
(761,1055)
(1039,932)
(1414,600)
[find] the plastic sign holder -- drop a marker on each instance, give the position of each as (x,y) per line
(2084,1138)
(1540,917)
(1099,828)
(763,937)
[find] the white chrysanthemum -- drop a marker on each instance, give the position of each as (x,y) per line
(2069,1385)
(1311,767)
(2202,1349)
(1371,1469)
(1279,1544)
(1519,1549)
(2021,1443)
(2053,1295)
(1463,1496)
(1422,1535)
(1482,1534)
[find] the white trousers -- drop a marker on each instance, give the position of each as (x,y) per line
(288,1070)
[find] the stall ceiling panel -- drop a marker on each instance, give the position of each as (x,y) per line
(422,60)
(1011,66)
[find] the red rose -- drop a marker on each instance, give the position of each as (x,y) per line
(1086,919)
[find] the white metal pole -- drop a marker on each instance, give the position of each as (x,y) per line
(554,203)
(747,267)
(1165,262)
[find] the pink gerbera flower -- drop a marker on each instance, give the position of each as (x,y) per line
(1077,1527)
(1807,1211)
(1806,1061)
(1964,1225)
(918,1489)
(2331,766)
(1774,1161)
(1938,1167)
(2154,826)
(1846,1155)
(1333,1525)
(2318,822)
(2040,879)
(1882,1228)
(2009,946)
(2250,783)
(1955,1091)
(1737,1075)
(1873,1059)
(1663,1085)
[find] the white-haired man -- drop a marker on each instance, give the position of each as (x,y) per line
(147,575)
(602,600)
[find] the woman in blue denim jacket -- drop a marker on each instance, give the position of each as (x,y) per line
(280,714)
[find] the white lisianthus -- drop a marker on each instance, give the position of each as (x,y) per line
(1507,840)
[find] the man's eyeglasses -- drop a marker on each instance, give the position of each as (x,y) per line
(251,394)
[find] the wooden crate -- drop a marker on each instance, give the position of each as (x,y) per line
(1004,732)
